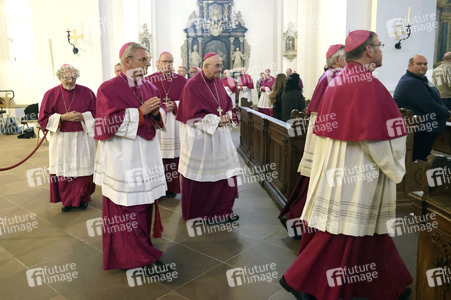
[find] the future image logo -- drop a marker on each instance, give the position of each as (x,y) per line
(50,275)
(201,226)
(438,176)
(249,275)
(37,177)
(396,127)
(411,224)
(353,274)
(438,276)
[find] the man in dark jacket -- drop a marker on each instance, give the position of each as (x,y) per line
(416,93)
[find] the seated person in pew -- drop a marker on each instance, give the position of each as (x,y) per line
(292,97)
(275,97)
(416,93)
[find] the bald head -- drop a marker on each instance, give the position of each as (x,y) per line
(418,65)
(447,56)
(212,66)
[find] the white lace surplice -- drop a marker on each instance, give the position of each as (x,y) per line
(350,205)
(207,151)
(71,154)
(128,167)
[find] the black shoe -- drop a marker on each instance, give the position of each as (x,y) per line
(157,268)
(283,220)
(406,294)
(170,194)
(66,208)
(28,134)
(296,294)
(83,205)
(233,217)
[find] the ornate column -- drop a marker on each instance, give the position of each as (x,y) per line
(200,48)
(242,44)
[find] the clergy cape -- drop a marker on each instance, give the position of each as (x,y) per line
(352,188)
(347,111)
(231,89)
(245,81)
(207,151)
(173,84)
(305,166)
(128,165)
(320,88)
(71,147)
(230,83)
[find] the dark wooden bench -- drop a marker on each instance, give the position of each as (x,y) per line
(434,245)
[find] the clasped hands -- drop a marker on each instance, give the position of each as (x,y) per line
(224,120)
(72,116)
(151,106)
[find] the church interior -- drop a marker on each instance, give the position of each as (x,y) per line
(37,37)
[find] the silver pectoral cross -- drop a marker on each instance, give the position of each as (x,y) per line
(166,99)
(219,110)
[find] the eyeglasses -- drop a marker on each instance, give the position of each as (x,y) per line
(380,45)
(142,59)
(167,61)
(69,78)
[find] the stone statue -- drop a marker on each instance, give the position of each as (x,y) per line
(238,59)
(194,57)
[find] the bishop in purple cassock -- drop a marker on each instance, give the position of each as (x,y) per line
(170,86)
(129,166)
(67,112)
(208,158)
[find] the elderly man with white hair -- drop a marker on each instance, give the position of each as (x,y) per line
(67,112)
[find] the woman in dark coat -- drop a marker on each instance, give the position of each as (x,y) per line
(292,97)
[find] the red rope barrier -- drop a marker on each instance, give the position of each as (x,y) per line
(26,158)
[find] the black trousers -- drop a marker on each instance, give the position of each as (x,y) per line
(422,144)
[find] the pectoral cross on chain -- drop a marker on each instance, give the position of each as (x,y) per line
(219,110)
(166,99)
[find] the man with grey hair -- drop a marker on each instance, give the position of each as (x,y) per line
(441,78)
(129,166)
(67,112)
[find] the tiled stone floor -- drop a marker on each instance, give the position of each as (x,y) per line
(201,261)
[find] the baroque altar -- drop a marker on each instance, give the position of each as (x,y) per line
(215,27)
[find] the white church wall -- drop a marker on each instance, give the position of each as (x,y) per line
(171,19)
(30,79)
(358,14)
(321,24)
(112,34)
(421,41)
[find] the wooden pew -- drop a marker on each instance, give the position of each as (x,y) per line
(265,140)
(443,142)
(413,179)
(434,246)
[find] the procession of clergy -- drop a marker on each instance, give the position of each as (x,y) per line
(152,128)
